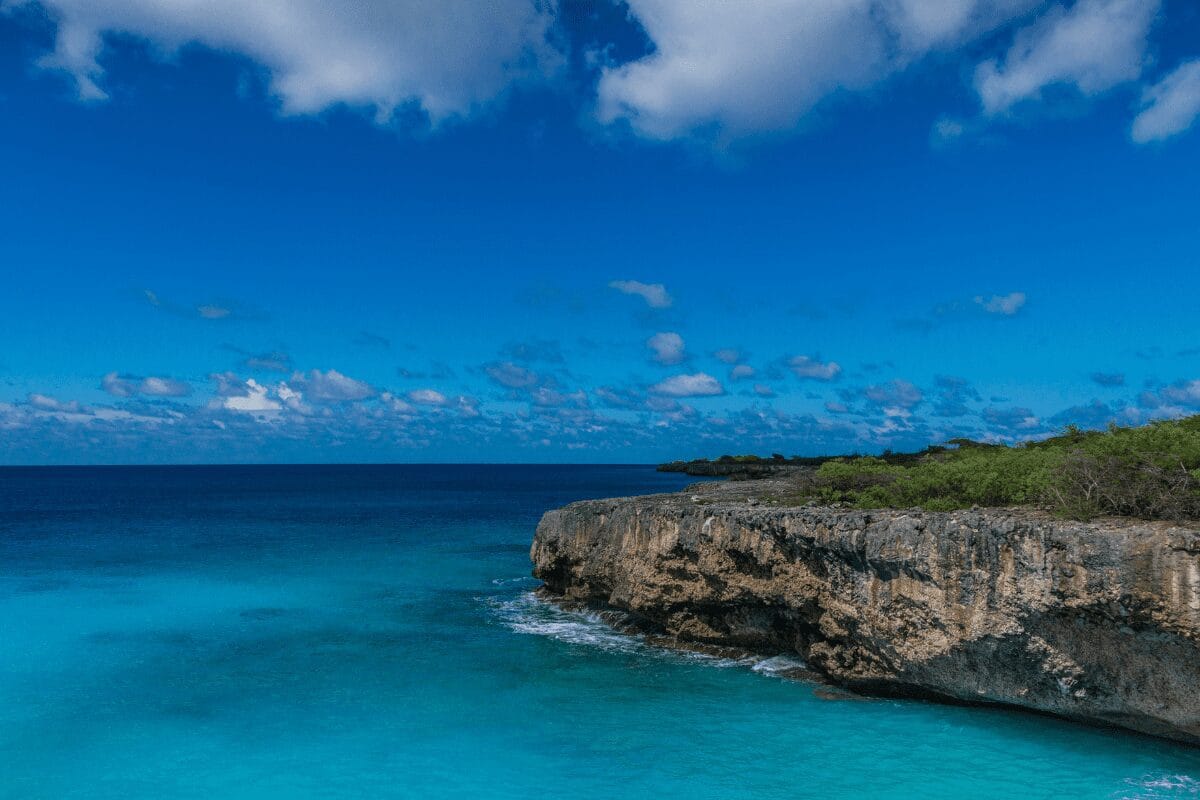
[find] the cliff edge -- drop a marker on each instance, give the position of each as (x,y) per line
(1097,622)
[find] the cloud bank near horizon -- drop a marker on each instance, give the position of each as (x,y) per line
(528,400)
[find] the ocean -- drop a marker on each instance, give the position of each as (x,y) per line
(370,631)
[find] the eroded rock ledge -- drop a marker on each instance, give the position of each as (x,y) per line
(1098,622)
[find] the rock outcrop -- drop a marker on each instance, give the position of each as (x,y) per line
(1098,622)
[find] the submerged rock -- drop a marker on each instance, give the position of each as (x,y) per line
(1098,622)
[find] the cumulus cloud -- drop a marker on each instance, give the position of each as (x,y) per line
(668,348)
(44,402)
(511,376)
(331,386)
(699,384)
(946,130)
(728,355)
(132,385)
(810,368)
(1092,46)
(428,397)
(728,70)
(655,294)
(1003,304)
(741,372)
(1178,396)
(446,56)
(1170,106)
(546,397)
(396,404)
(894,394)
(253,399)
(714,70)
(213,312)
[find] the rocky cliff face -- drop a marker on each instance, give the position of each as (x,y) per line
(1097,622)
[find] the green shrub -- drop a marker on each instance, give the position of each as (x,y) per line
(1151,472)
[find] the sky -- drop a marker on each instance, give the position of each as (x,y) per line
(535,231)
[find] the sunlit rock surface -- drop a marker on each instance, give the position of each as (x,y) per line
(1098,622)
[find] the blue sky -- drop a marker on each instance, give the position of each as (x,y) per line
(591,231)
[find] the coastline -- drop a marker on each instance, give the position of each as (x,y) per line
(1096,622)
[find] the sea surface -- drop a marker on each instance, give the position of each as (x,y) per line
(359,632)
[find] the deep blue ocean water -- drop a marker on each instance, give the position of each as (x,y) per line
(262,632)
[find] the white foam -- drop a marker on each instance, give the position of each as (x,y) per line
(524,580)
(1161,786)
(528,614)
(778,665)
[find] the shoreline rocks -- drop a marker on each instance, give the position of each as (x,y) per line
(1097,622)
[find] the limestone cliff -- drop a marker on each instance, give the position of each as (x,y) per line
(1098,622)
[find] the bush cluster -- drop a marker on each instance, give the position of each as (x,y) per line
(1150,472)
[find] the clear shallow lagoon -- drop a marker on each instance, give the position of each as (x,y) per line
(259,632)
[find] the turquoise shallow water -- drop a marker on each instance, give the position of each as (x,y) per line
(260,632)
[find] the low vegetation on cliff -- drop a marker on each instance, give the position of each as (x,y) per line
(1149,472)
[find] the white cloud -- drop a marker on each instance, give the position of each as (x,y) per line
(741,371)
(427,397)
(1004,304)
(728,355)
(1184,393)
(448,56)
(814,369)
(396,404)
(717,70)
(331,386)
(117,386)
(727,70)
(655,294)
(549,398)
(213,312)
(45,407)
(254,401)
(1178,398)
(467,407)
(511,375)
(900,394)
(1093,46)
(293,399)
(132,385)
(668,347)
(698,385)
(43,402)
(946,130)
(1169,106)
(164,387)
